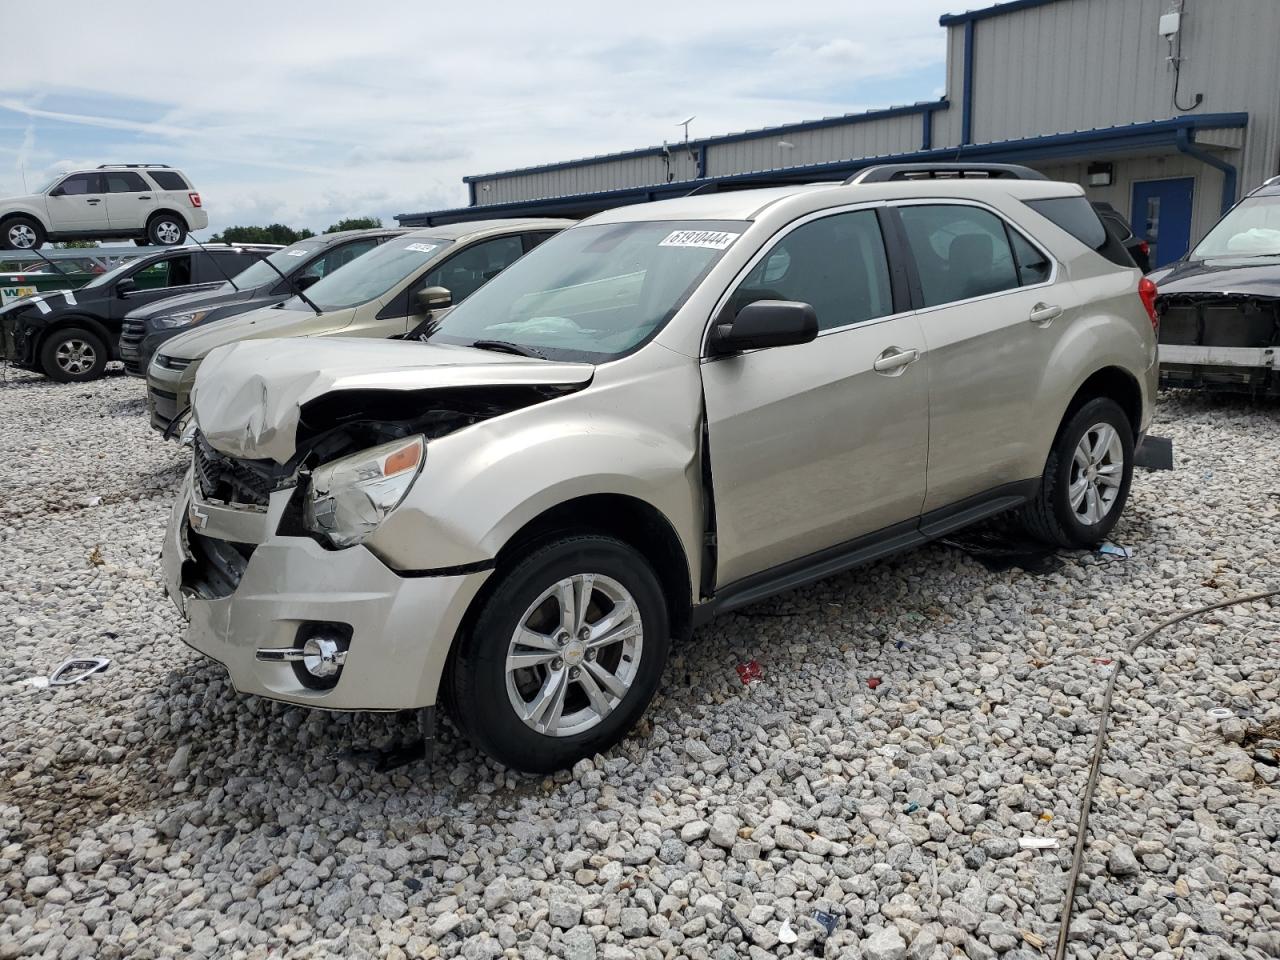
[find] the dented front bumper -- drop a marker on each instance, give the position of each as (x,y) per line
(273,587)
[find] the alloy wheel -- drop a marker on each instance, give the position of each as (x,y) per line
(574,655)
(1097,471)
(168,232)
(22,237)
(75,356)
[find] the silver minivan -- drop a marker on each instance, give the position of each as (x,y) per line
(667,411)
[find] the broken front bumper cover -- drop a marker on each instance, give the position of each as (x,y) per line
(401,627)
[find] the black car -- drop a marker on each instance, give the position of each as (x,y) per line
(1112,219)
(1219,306)
(70,335)
(259,285)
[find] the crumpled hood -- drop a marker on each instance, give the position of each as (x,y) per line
(256,325)
(1227,275)
(247,396)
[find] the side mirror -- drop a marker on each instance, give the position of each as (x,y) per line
(125,287)
(434,298)
(309,280)
(766,323)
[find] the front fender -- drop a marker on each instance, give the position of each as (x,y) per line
(26,208)
(635,435)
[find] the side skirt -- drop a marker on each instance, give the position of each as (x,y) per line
(873,546)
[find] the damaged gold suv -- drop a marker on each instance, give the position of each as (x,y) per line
(664,412)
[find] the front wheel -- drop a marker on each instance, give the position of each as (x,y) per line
(166,230)
(1086,480)
(22,233)
(564,655)
(73,355)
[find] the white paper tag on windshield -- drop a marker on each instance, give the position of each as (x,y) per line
(712,239)
(295,253)
(422,247)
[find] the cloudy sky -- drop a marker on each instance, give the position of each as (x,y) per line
(308,112)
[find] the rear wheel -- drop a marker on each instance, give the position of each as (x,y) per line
(166,230)
(1086,480)
(73,355)
(564,655)
(22,233)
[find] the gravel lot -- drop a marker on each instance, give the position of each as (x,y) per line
(153,812)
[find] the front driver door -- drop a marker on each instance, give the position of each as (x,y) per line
(816,445)
(77,204)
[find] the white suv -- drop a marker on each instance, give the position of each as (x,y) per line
(148,202)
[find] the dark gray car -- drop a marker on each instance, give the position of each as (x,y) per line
(303,263)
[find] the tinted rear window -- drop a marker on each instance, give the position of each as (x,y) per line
(1077,216)
(168,179)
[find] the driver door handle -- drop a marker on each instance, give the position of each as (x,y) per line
(895,358)
(1044,314)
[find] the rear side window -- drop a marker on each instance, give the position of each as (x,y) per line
(837,265)
(961,252)
(1077,217)
(123,181)
(1033,266)
(168,179)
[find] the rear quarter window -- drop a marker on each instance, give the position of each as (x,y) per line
(168,179)
(1077,217)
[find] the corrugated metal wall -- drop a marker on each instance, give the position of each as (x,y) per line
(873,138)
(635,171)
(1081,64)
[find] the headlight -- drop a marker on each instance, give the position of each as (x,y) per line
(179,319)
(351,496)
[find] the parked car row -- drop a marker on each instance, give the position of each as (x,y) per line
(528,474)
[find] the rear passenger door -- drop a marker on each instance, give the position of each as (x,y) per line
(815,445)
(990,319)
(130,200)
(462,274)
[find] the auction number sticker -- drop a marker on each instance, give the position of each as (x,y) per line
(711,239)
(422,247)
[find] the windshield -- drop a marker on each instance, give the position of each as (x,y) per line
(286,260)
(594,292)
(371,275)
(1251,229)
(102,279)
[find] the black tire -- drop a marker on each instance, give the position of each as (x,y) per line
(16,230)
(1051,517)
(166,230)
(73,355)
(476,677)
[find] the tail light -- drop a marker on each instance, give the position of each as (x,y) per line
(1147,292)
(1145,248)
(194,198)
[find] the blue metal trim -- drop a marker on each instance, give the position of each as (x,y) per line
(1185,141)
(926,134)
(983,13)
(1062,145)
(966,102)
(887,113)
(471,194)
(702,162)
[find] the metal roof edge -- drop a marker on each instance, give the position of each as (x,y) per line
(996,10)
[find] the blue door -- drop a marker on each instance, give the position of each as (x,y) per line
(1162,217)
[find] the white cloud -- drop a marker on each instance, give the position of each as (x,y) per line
(305,113)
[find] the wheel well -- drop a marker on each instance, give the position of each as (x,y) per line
(87,323)
(632,521)
(26,216)
(172,213)
(1117,384)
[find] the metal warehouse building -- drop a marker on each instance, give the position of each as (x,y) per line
(1167,109)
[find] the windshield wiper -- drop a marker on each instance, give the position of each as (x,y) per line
(506,346)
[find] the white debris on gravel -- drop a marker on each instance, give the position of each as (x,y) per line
(151,811)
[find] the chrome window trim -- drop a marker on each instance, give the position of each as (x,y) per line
(1009,224)
(767,247)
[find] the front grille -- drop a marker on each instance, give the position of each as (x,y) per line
(132,331)
(227,479)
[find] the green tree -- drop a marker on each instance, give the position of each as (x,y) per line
(76,245)
(272,233)
(354,223)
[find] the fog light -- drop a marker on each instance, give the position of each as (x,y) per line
(318,655)
(322,658)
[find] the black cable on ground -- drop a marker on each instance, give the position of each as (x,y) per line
(1099,749)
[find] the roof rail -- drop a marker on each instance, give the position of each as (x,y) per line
(944,171)
(756,183)
(107,166)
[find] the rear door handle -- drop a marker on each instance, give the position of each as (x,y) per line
(895,358)
(144,196)
(94,200)
(1044,314)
